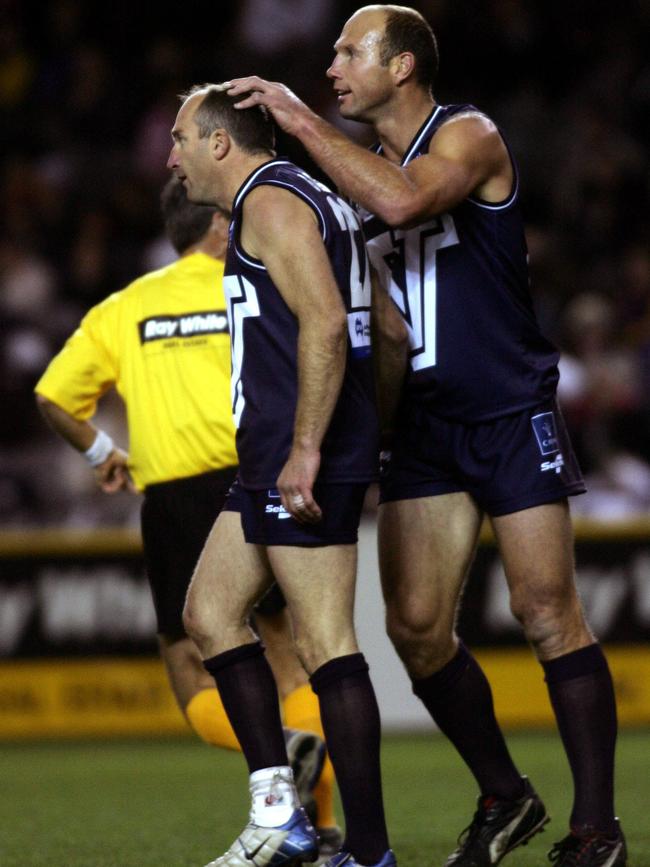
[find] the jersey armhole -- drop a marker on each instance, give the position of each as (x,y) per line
(469,109)
(511,197)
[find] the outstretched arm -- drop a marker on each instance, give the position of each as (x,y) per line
(111,472)
(281,230)
(466,155)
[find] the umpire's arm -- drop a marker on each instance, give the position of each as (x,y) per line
(112,473)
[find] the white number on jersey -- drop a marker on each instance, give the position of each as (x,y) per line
(360,285)
(242,302)
(405,260)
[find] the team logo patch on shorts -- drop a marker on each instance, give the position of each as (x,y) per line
(545,432)
(547,440)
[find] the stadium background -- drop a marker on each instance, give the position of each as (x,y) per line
(88,93)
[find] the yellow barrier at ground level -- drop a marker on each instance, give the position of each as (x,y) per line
(98,697)
(520,694)
(125,697)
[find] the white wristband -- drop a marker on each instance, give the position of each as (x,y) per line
(100,449)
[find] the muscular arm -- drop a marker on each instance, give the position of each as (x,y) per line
(466,155)
(113,474)
(281,230)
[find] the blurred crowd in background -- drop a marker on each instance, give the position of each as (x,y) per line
(89,92)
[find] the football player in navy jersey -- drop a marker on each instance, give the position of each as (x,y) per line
(478,430)
(298,292)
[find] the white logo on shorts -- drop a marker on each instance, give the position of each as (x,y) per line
(280,511)
(556,464)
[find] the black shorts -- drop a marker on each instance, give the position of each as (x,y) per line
(266,522)
(176,519)
(508,464)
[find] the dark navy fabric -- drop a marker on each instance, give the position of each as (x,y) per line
(461,282)
(265,521)
(506,464)
(264,334)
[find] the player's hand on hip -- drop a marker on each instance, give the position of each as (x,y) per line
(113,475)
(295,485)
(284,105)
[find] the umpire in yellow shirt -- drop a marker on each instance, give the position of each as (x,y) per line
(163,343)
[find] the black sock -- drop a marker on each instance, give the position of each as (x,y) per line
(459,699)
(582,694)
(250,697)
(350,718)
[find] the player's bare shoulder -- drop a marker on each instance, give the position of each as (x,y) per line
(274,216)
(270,209)
(468,132)
(267,204)
(474,138)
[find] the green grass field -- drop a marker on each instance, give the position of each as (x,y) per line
(180,803)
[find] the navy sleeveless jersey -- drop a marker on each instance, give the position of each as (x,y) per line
(461,282)
(264,334)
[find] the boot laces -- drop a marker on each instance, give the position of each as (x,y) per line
(573,850)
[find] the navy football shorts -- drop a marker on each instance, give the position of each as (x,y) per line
(266,522)
(507,464)
(176,519)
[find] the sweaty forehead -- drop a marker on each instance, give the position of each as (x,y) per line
(188,109)
(364,28)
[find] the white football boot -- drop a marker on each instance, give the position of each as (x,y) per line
(278,832)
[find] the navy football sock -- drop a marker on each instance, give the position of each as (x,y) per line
(459,699)
(249,695)
(350,718)
(582,694)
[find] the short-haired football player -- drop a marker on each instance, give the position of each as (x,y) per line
(479,431)
(298,293)
(163,343)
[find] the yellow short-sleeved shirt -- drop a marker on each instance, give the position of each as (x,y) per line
(163,343)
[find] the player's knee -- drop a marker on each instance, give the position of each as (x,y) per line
(307,654)
(546,616)
(195,621)
(190,620)
(315,650)
(416,635)
(533,610)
